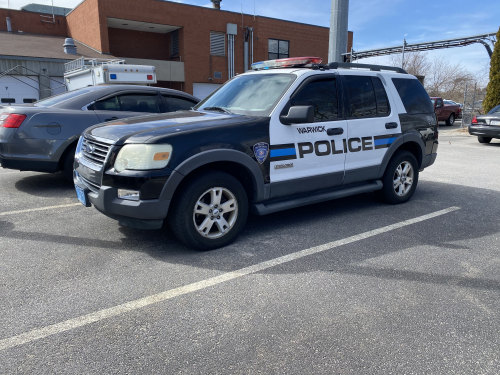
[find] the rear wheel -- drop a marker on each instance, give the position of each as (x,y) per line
(451,120)
(210,212)
(400,178)
(67,165)
(484,139)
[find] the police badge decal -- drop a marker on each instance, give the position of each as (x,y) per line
(261,150)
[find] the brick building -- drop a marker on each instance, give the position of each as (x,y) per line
(189,45)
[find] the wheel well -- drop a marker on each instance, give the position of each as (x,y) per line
(238,171)
(414,148)
(60,166)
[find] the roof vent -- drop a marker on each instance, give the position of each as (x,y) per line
(216,4)
(69,46)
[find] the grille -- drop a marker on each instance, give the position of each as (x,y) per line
(91,185)
(95,152)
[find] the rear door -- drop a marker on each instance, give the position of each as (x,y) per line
(128,104)
(373,125)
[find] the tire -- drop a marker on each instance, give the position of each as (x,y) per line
(68,162)
(197,194)
(451,120)
(484,139)
(388,192)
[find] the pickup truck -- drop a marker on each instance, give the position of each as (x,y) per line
(445,112)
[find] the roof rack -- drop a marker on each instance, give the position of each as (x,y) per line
(376,68)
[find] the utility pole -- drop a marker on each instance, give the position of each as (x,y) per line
(338,30)
(403,58)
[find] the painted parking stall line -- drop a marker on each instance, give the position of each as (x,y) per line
(40,333)
(39,209)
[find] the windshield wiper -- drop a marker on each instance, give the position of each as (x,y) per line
(220,109)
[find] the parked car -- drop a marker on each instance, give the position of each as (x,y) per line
(451,102)
(286,134)
(486,127)
(42,136)
(447,113)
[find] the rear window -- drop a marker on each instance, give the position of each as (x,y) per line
(413,95)
(56,99)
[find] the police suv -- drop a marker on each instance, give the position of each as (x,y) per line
(288,133)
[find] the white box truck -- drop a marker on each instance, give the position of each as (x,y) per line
(91,72)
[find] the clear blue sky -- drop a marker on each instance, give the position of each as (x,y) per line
(377,23)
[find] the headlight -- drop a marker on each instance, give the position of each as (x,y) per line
(143,157)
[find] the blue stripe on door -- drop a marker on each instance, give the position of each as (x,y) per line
(283,152)
(386,141)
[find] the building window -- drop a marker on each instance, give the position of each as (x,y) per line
(217,44)
(278,49)
(8,100)
(174,43)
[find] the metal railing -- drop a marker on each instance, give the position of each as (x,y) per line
(86,63)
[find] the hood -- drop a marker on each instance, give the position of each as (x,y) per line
(143,128)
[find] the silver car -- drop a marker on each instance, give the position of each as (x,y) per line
(42,136)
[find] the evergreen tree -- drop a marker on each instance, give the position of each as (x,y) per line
(492,98)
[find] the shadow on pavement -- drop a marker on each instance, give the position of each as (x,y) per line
(49,185)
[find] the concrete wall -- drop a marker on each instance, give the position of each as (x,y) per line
(165,70)
(29,22)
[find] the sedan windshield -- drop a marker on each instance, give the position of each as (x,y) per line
(252,94)
(56,99)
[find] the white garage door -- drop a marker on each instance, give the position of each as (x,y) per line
(13,91)
(57,85)
(202,90)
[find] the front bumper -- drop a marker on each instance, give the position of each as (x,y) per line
(485,130)
(141,214)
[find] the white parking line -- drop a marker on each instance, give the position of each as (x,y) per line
(83,320)
(39,209)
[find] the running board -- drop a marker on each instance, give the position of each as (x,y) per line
(271,207)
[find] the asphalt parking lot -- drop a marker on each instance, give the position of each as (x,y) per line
(351,286)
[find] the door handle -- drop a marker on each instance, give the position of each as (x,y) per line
(391,125)
(335,131)
(111,119)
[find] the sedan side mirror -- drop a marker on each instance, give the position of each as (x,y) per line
(300,114)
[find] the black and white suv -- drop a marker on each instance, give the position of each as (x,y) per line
(286,134)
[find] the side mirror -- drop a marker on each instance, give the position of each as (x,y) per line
(300,114)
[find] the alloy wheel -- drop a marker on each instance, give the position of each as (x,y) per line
(403,178)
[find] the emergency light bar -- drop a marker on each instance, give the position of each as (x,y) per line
(287,63)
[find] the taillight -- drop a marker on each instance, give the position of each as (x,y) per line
(11,120)
(474,120)
(150,77)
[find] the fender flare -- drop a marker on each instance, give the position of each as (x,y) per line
(211,156)
(405,138)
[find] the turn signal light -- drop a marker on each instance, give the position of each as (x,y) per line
(11,120)
(474,120)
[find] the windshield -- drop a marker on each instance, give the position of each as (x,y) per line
(56,99)
(252,94)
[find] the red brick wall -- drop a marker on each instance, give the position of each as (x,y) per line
(139,44)
(30,22)
(84,25)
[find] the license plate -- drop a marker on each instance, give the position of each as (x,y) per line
(80,193)
(495,122)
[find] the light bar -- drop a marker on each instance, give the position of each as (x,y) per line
(287,63)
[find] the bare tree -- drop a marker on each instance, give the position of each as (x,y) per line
(446,79)
(415,63)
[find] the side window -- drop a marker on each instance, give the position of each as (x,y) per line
(322,95)
(175,103)
(129,103)
(383,108)
(139,103)
(109,104)
(413,95)
(362,102)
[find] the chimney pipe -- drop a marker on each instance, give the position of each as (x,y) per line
(216,4)
(69,46)
(9,27)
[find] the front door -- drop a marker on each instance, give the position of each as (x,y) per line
(303,157)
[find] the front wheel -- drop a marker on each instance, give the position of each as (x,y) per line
(484,139)
(451,120)
(210,212)
(400,178)
(67,164)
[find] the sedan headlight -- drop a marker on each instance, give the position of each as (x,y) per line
(143,157)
